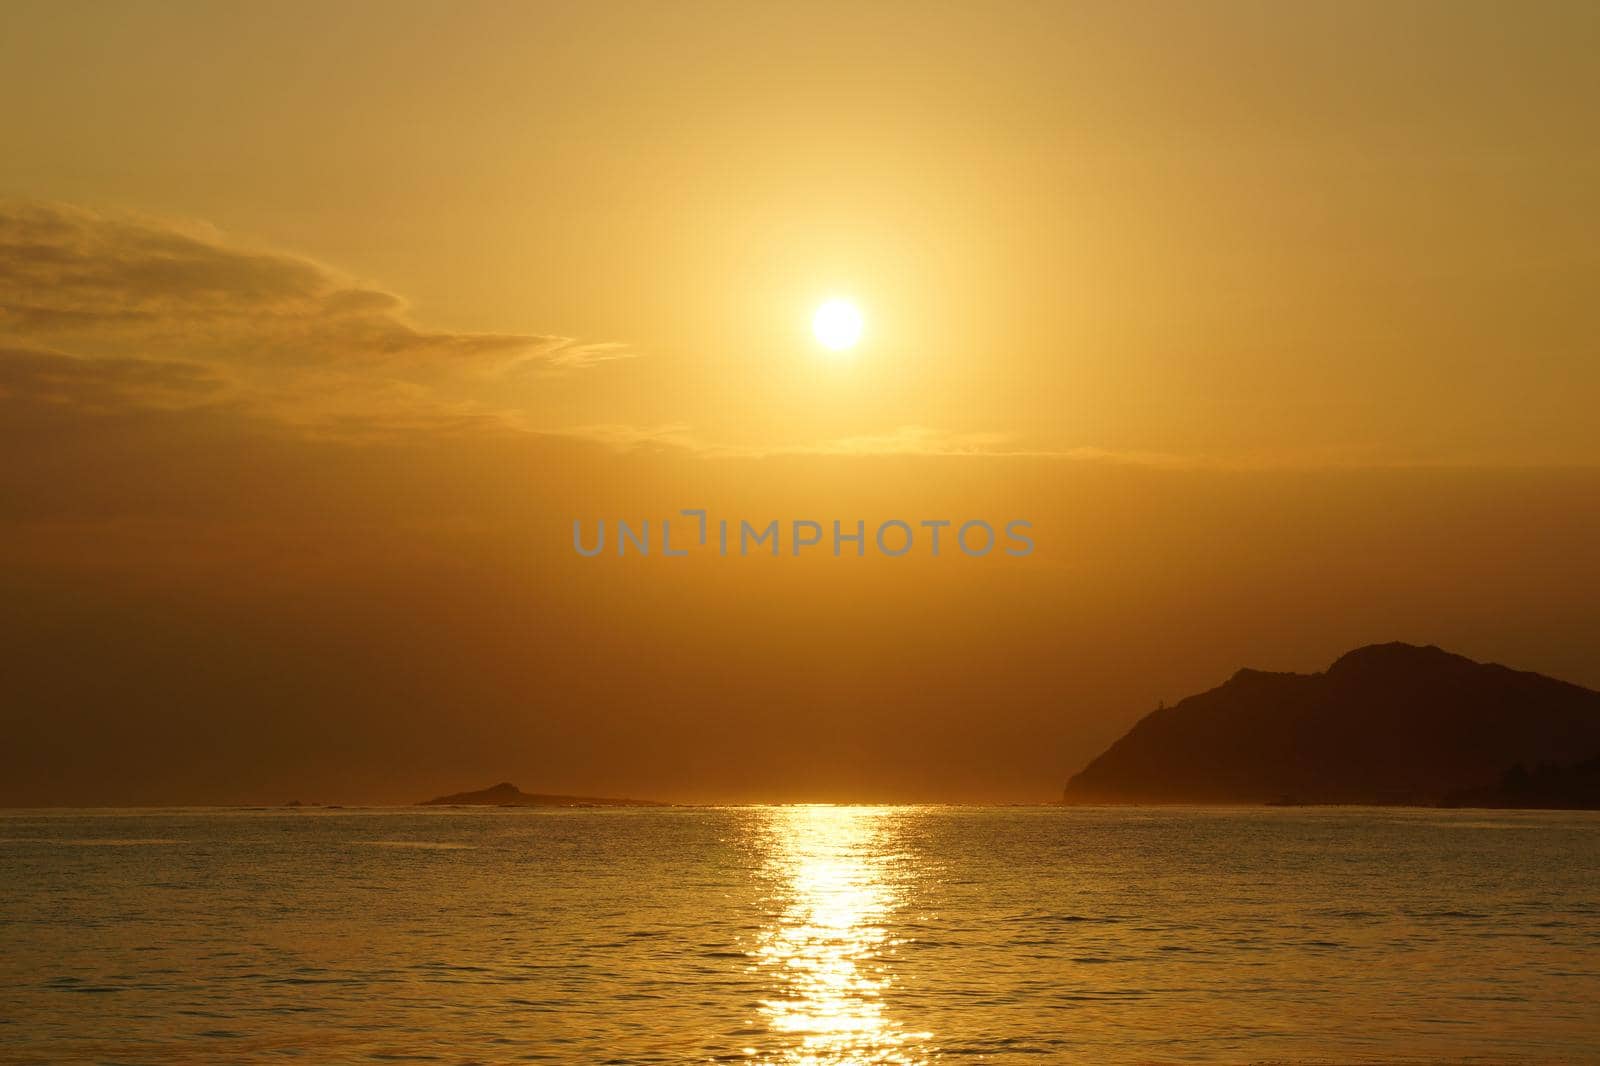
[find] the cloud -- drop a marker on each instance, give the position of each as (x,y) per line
(42,378)
(908,440)
(558,354)
(100,309)
(916,440)
(63,267)
(623,437)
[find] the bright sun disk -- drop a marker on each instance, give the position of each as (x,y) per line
(837,324)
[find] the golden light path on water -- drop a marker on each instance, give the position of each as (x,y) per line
(829,951)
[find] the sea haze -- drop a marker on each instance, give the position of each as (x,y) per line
(799,935)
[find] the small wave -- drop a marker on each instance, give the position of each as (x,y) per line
(1447,914)
(109,842)
(1063,919)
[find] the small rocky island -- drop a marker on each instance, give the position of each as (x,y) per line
(1385,724)
(505,794)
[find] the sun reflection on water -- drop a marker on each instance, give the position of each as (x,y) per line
(829,949)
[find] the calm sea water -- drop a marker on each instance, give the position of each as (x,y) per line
(815,935)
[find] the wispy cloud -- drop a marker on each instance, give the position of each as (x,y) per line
(927,441)
(904,440)
(101,309)
(623,437)
(915,440)
(49,378)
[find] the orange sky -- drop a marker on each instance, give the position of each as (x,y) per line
(319,327)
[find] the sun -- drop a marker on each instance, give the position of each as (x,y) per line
(837,324)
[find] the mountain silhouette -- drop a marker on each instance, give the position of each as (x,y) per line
(1385,724)
(505,794)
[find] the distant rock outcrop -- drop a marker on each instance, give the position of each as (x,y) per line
(1385,724)
(505,794)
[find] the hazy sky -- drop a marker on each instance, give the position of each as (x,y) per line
(319,324)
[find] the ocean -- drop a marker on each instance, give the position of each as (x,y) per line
(799,935)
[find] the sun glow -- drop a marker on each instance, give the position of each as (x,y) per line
(837,324)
